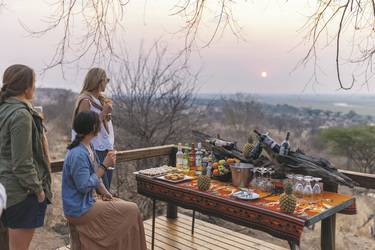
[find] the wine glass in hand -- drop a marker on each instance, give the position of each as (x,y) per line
(39,110)
(110,160)
(108,106)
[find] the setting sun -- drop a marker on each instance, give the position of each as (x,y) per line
(264,74)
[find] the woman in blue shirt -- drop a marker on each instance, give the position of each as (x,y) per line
(108,223)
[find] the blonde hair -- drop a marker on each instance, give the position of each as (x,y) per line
(16,79)
(92,81)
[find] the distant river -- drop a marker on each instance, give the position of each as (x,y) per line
(343,104)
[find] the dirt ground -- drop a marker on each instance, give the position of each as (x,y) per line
(47,239)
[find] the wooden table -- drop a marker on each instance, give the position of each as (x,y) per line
(247,213)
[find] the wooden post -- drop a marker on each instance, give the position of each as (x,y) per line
(4,238)
(328,230)
(171,208)
(171,211)
(75,242)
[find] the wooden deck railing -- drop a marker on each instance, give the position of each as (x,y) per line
(364,180)
(134,154)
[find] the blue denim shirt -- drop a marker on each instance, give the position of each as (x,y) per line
(78,181)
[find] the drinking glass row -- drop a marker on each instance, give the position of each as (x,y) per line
(262,183)
(306,188)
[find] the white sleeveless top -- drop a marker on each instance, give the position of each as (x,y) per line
(103,141)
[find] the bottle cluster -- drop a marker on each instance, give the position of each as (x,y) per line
(192,160)
(265,139)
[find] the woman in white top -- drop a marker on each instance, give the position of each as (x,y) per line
(91,98)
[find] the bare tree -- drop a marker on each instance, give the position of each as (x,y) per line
(330,21)
(242,113)
(194,11)
(102,27)
(156,99)
(155,104)
(99,27)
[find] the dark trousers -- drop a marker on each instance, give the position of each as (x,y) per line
(107,176)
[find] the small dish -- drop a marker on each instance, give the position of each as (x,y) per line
(244,196)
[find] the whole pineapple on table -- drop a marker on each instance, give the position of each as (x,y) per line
(204,181)
(287,201)
(248,146)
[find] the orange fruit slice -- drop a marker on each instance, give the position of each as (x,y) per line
(230,160)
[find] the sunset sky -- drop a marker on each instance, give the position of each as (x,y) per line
(264,63)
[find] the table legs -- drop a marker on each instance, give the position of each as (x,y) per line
(192,225)
(153,223)
(171,211)
(328,230)
(328,233)
(292,246)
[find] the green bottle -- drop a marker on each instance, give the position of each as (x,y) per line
(185,159)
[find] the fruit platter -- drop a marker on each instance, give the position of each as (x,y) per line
(221,169)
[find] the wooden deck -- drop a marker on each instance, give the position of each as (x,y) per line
(176,234)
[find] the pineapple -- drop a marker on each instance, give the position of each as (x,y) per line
(287,200)
(204,181)
(248,146)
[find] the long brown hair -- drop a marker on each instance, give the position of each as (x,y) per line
(16,79)
(92,81)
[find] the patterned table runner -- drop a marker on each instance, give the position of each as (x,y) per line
(262,214)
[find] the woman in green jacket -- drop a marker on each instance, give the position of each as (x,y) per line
(24,162)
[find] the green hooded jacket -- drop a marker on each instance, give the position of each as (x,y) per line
(23,167)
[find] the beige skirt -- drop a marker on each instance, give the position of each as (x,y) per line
(113,224)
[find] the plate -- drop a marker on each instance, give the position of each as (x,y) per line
(149,176)
(185,179)
(159,175)
(243,196)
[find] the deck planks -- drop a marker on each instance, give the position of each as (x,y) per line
(228,234)
(176,234)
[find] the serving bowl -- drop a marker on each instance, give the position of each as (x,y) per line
(223,177)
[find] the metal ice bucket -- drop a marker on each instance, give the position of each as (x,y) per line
(241,174)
